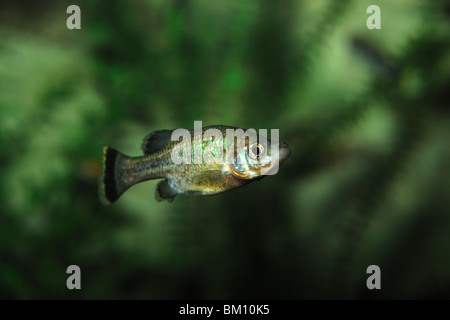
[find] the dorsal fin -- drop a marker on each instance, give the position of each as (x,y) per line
(156,141)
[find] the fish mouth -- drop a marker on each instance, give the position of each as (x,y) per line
(285,152)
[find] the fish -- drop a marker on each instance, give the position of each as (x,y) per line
(250,160)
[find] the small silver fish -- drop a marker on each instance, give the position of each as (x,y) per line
(119,172)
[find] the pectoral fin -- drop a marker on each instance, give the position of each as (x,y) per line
(208,182)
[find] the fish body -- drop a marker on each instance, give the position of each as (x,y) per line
(194,176)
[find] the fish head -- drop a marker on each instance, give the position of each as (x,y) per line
(256,159)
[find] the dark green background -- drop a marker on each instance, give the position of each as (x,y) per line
(364,111)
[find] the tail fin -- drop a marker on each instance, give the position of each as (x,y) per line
(111,186)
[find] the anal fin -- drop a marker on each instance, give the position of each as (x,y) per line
(164,192)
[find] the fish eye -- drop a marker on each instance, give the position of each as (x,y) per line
(256,150)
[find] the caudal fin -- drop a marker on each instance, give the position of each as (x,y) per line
(110,183)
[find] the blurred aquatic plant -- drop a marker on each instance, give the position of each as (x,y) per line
(365,113)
